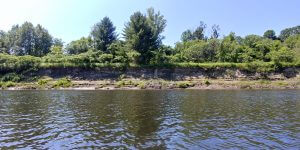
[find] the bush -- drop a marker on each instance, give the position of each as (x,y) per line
(142,85)
(120,83)
(184,84)
(11,77)
(43,82)
(207,83)
(63,82)
(105,58)
(7,84)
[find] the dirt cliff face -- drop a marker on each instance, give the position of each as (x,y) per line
(165,73)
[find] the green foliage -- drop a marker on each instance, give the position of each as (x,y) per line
(282,55)
(27,40)
(198,33)
(11,77)
(120,53)
(215,31)
(230,49)
(18,63)
(56,50)
(103,34)
(142,47)
(187,36)
(270,34)
(79,46)
(207,83)
(184,84)
(7,84)
(106,58)
(142,85)
(43,81)
(142,34)
(284,34)
(63,82)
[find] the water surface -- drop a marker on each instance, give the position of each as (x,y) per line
(170,119)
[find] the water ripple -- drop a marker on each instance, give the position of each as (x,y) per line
(179,119)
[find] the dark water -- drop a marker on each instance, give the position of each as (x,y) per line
(179,119)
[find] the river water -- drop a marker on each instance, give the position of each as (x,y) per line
(167,119)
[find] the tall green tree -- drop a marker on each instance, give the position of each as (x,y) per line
(143,34)
(27,39)
(270,34)
(199,32)
(3,48)
(139,37)
(215,31)
(58,42)
(230,50)
(157,24)
(43,41)
(103,34)
(187,36)
(12,40)
(284,34)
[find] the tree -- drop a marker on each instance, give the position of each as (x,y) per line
(143,34)
(282,55)
(139,37)
(103,34)
(199,32)
(58,42)
(270,34)
(3,47)
(119,52)
(26,39)
(187,36)
(284,34)
(230,50)
(196,52)
(157,24)
(43,41)
(215,31)
(79,46)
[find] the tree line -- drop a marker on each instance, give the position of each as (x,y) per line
(141,43)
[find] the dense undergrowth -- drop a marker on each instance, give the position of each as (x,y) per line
(24,64)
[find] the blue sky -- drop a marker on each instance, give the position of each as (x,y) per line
(72,19)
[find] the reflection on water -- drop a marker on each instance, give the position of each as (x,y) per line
(171,119)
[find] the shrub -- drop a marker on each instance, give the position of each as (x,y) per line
(11,77)
(63,82)
(120,83)
(184,84)
(142,85)
(207,83)
(43,81)
(9,84)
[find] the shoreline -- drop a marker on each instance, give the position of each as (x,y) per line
(157,84)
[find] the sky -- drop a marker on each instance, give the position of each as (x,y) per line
(73,19)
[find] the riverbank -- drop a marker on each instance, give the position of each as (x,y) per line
(136,84)
(109,78)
